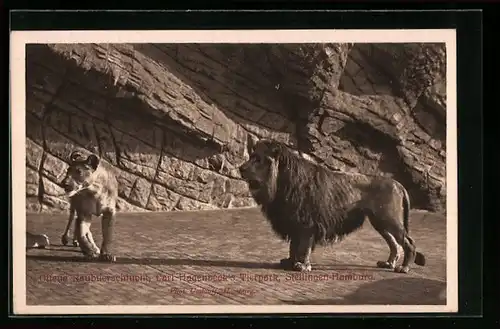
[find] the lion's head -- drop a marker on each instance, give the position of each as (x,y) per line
(261,169)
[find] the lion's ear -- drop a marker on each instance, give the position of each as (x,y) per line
(93,161)
(275,149)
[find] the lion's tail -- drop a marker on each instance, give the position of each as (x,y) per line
(419,258)
(406,210)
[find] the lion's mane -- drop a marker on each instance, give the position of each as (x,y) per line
(304,195)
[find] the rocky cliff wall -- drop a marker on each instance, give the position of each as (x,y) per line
(175,119)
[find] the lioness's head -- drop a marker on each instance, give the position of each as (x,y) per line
(261,169)
(79,171)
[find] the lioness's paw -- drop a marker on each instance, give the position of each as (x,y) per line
(298,266)
(89,252)
(65,239)
(286,263)
(402,269)
(75,243)
(107,258)
(381,264)
(91,255)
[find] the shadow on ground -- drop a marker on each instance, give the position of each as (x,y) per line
(235,243)
(192,262)
(400,291)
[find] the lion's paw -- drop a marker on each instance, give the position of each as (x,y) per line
(402,269)
(75,243)
(385,264)
(286,263)
(107,258)
(301,267)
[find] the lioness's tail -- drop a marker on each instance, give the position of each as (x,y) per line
(419,258)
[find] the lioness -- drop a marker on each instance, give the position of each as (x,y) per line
(93,190)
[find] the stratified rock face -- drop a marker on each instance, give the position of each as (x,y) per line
(175,119)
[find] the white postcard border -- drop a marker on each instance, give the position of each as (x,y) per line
(19,39)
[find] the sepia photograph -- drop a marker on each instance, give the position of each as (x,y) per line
(234,171)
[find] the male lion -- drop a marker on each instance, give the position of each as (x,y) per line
(308,205)
(93,190)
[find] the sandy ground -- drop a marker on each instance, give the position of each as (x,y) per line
(227,257)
